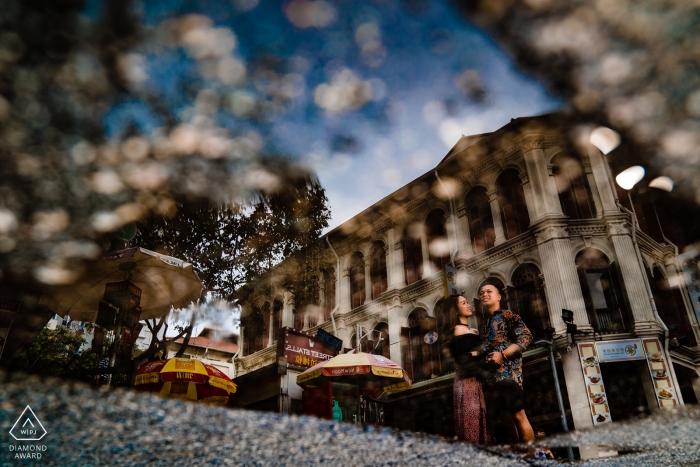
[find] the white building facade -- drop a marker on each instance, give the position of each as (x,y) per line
(530,209)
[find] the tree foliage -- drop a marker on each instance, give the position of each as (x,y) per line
(236,243)
(56,351)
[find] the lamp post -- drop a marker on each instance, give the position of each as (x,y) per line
(549,333)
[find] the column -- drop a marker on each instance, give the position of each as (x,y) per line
(576,389)
(543,192)
(634,279)
(527,190)
(395,322)
(563,289)
(288,309)
(606,192)
(241,340)
(344,291)
(394,263)
(588,173)
(465,239)
(271,331)
(368,280)
(496,214)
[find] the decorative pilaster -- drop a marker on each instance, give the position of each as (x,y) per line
(563,289)
(395,322)
(464,238)
(543,192)
(634,278)
(288,310)
(395,267)
(271,331)
(344,292)
(527,190)
(496,214)
(603,182)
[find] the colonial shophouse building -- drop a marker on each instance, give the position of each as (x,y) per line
(535,210)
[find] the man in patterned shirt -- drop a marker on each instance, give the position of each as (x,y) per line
(505,336)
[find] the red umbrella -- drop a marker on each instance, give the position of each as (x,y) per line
(186,378)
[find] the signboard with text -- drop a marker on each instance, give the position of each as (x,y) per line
(620,350)
(300,348)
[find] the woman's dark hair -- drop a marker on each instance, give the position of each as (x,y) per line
(450,318)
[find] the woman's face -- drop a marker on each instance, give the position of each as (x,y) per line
(463,308)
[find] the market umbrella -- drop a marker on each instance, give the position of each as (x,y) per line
(162,281)
(186,378)
(374,374)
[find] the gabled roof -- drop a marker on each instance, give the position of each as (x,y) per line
(464,143)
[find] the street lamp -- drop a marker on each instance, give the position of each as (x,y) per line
(549,334)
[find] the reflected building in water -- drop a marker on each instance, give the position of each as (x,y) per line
(528,207)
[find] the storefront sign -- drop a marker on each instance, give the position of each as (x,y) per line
(621,350)
(593,354)
(659,372)
(329,338)
(595,390)
(303,349)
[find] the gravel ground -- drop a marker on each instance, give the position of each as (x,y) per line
(104,428)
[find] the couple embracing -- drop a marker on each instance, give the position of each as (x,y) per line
(488,367)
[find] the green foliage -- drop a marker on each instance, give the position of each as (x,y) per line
(55,351)
(237,243)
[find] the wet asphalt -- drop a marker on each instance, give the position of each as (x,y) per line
(87,427)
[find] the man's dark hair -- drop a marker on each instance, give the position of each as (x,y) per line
(493,283)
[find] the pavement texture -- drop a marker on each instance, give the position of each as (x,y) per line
(86,427)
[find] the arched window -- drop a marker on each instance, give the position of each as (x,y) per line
(377,269)
(480,220)
(438,244)
(254,329)
(572,185)
(329,282)
(298,319)
(413,253)
(511,197)
(601,284)
(421,357)
(376,342)
(357,280)
(381,344)
(527,298)
(671,307)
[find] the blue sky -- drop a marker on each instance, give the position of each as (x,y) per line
(376,100)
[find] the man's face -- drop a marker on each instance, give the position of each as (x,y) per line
(489,296)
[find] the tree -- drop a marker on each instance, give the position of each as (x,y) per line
(239,242)
(56,351)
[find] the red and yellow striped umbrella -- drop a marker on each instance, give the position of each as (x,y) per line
(186,378)
(374,374)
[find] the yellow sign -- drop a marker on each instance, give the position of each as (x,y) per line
(302,378)
(402,386)
(390,372)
